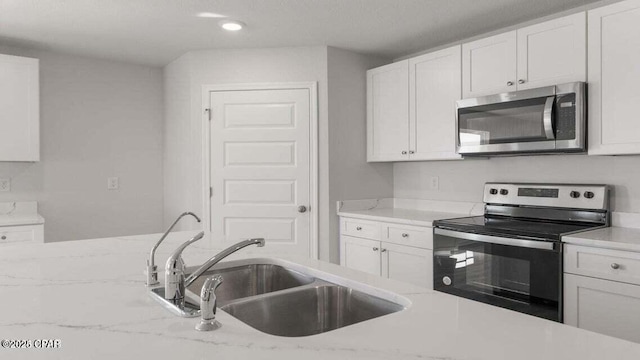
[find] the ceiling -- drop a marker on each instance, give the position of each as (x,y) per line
(157,31)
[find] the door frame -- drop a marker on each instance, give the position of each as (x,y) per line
(312,87)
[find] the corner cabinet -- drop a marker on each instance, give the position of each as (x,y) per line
(602,291)
(614,55)
(545,54)
(411,108)
(395,251)
(19,109)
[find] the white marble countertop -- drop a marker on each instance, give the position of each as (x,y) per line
(616,238)
(90,294)
(407,211)
(401,216)
(8,220)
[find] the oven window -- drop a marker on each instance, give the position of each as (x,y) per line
(521,279)
(515,121)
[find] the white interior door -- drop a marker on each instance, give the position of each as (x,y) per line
(260,160)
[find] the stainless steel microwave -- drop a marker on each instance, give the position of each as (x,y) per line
(543,120)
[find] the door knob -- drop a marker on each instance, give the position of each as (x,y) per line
(521,81)
(509,83)
(302,209)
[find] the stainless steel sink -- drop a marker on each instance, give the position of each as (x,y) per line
(310,310)
(251,280)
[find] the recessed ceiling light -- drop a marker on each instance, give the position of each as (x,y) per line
(209,15)
(232,25)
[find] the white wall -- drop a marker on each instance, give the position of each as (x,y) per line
(351,177)
(98,119)
(341,122)
(463,180)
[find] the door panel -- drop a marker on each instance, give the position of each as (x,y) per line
(553,52)
(614,54)
(489,65)
(435,86)
(260,168)
(388,112)
(360,254)
(603,306)
(408,264)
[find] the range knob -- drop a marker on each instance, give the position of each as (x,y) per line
(574,194)
(504,191)
(493,191)
(589,194)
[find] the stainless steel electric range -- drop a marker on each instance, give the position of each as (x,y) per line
(512,255)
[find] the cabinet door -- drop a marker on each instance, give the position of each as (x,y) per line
(603,306)
(360,254)
(614,94)
(489,65)
(435,85)
(19,109)
(388,112)
(553,52)
(408,264)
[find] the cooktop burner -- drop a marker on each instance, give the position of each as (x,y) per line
(513,227)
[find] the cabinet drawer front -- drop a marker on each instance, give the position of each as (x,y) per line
(361,228)
(417,236)
(602,263)
(12,236)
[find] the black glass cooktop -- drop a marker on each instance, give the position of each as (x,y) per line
(492,225)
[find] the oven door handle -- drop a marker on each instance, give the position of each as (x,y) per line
(532,244)
(547,117)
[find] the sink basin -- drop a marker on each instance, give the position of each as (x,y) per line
(251,280)
(310,310)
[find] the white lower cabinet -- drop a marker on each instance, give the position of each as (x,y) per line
(602,291)
(402,253)
(360,254)
(408,264)
(21,234)
(603,306)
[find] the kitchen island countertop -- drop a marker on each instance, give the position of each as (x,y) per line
(91,296)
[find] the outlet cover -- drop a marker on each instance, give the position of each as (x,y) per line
(113,183)
(5,185)
(434,183)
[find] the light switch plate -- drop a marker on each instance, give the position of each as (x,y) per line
(5,185)
(113,183)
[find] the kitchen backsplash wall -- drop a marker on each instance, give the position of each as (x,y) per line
(463,180)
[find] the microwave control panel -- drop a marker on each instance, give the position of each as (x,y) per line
(565,109)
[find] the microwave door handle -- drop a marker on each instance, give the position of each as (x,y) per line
(547,117)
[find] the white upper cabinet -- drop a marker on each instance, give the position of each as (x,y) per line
(545,54)
(489,65)
(411,108)
(553,52)
(614,70)
(19,109)
(388,112)
(435,85)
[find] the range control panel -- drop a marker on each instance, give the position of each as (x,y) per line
(577,196)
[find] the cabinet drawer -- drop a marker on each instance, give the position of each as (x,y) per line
(417,236)
(614,265)
(14,235)
(360,228)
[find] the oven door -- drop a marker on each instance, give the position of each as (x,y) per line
(521,275)
(521,121)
